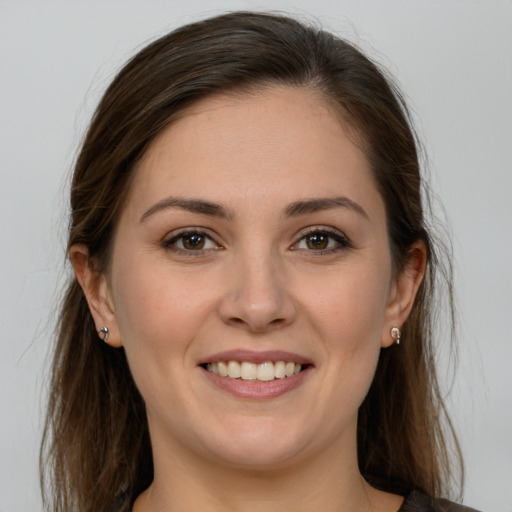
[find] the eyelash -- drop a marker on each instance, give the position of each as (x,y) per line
(170,243)
(342,242)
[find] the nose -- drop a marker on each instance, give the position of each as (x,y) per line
(257,296)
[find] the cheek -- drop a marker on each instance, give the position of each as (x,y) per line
(349,307)
(157,319)
(152,303)
(348,311)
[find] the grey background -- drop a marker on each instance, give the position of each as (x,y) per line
(453,59)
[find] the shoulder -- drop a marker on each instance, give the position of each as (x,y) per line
(416,501)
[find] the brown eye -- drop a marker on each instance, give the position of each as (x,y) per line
(317,241)
(193,242)
(322,241)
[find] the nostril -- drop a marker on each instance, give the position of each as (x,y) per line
(256,312)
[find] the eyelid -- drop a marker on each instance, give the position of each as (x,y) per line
(175,235)
(338,236)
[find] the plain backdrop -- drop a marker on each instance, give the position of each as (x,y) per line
(453,59)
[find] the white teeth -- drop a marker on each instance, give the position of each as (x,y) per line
(280,369)
(223,368)
(251,371)
(233,369)
(248,371)
(266,371)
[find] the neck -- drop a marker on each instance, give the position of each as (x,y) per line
(331,482)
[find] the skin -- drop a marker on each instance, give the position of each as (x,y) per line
(258,283)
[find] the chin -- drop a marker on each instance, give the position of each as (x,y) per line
(257,446)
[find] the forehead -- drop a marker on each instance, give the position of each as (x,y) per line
(289,141)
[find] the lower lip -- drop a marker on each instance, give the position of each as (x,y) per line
(256,389)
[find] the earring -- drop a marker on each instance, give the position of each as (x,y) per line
(396,334)
(103,334)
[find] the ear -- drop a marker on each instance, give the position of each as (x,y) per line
(403,291)
(96,290)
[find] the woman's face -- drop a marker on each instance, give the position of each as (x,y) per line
(253,241)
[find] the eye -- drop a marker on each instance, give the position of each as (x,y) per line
(322,241)
(191,241)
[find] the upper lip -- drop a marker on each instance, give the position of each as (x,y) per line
(257,357)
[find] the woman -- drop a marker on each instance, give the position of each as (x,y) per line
(250,322)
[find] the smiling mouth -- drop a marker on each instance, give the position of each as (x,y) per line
(264,372)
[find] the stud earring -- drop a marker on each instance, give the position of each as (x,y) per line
(396,334)
(103,334)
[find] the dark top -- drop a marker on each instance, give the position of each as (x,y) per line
(416,501)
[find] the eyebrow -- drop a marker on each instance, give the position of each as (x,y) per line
(295,209)
(199,206)
(320,204)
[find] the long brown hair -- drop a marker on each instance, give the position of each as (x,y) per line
(96,443)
